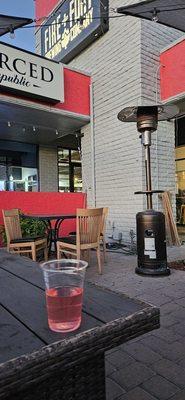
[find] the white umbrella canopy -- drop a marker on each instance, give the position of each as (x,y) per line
(9,23)
(167,12)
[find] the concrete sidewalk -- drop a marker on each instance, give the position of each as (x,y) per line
(151,367)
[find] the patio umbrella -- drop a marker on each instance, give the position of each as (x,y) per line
(9,23)
(167,12)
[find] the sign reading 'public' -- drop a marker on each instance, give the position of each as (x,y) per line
(29,74)
(74,25)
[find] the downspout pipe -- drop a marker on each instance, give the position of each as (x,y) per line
(92,145)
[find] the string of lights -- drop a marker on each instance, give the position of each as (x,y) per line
(154,16)
(34,24)
(162,9)
(73,20)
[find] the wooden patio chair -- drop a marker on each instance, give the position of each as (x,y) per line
(103,227)
(16,243)
(88,229)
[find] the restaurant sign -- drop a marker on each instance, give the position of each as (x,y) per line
(73,26)
(30,75)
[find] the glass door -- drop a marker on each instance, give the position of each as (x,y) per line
(63,170)
(69,170)
(77,178)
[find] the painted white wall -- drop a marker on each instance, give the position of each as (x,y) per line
(124,64)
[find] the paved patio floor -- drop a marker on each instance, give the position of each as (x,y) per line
(151,367)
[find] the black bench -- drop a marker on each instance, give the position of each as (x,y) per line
(40,364)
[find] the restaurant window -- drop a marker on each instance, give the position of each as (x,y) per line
(18,170)
(180,169)
(69,170)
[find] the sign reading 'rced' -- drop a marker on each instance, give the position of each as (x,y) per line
(31,75)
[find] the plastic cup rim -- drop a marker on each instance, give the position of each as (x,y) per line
(65,261)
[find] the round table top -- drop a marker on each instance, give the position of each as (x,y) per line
(48,217)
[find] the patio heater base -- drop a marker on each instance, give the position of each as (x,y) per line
(164,270)
(151,236)
(151,243)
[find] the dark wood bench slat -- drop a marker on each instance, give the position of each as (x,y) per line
(27,303)
(108,305)
(71,368)
(99,303)
(22,267)
(15,340)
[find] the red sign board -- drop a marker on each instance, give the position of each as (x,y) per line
(172,71)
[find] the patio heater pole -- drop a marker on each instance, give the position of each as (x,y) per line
(146,140)
(151,236)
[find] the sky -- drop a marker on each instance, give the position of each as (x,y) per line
(24,37)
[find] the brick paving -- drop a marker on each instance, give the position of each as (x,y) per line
(151,367)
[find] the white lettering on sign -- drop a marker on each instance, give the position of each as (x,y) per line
(65,28)
(31,74)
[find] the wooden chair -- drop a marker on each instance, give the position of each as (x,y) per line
(16,243)
(88,228)
(103,227)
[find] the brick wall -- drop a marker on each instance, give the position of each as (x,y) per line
(114,62)
(48,169)
(153,39)
(124,67)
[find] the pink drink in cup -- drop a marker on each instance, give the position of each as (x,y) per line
(64,281)
(64,307)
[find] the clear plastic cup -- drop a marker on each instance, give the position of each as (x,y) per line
(64,282)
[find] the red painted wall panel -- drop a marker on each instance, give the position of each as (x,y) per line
(76,92)
(172,72)
(43,203)
(44,7)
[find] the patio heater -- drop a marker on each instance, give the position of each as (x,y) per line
(151,237)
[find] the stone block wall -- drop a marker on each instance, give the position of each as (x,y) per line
(154,38)
(114,153)
(48,169)
(124,64)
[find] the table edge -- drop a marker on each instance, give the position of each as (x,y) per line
(68,352)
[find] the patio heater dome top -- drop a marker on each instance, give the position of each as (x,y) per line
(160,111)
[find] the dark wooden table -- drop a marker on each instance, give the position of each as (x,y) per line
(48,218)
(40,364)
